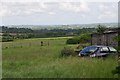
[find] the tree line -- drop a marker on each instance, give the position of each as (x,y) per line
(10,34)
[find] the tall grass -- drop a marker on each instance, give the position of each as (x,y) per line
(27,59)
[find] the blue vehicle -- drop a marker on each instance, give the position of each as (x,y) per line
(97,51)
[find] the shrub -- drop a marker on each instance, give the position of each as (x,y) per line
(72,41)
(83,38)
(67,51)
(117,39)
(7,38)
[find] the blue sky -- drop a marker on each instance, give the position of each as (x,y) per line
(55,13)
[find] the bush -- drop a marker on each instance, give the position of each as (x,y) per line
(7,38)
(72,41)
(67,51)
(117,39)
(83,38)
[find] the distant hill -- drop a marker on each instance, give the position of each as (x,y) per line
(69,26)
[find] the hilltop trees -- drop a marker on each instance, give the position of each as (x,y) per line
(6,29)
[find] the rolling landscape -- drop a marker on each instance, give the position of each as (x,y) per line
(28,59)
(24,56)
(67,26)
(59,40)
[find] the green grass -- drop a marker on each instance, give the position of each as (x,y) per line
(27,59)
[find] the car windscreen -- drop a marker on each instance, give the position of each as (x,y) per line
(90,49)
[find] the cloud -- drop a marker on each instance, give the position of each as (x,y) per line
(108,11)
(108,15)
(103,7)
(74,6)
(20,8)
(85,12)
(37,8)
(51,13)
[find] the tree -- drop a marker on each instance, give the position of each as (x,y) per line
(101,29)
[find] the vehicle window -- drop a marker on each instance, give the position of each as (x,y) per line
(104,50)
(112,49)
(89,50)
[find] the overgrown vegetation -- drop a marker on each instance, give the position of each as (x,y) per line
(117,39)
(68,51)
(28,59)
(101,29)
(83,38)
(7,38)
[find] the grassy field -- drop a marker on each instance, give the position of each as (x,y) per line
(27,59)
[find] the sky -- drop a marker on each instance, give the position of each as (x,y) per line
(57,13)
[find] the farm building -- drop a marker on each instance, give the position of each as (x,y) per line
(106,38)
